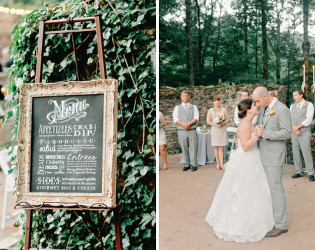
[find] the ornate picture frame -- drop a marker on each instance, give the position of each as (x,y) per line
(67,148)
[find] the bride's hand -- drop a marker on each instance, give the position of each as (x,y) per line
(259,131)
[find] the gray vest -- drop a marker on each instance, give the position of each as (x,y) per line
(299,117)
(185,116)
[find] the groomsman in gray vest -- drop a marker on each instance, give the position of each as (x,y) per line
(275,127)
(302,113)
(185,116)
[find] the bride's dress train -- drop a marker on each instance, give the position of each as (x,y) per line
(241,210)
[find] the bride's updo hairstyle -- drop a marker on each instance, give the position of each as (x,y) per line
(243,106)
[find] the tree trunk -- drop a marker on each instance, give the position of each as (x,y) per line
(306,45)
(278,42)
(292,44)
(208,27)
(214,61)
(190,57)
(256,42)
(264,38)
(199,36)
(246,60)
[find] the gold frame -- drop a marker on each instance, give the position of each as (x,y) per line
(106,87)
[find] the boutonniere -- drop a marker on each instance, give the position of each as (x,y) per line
(272,112)
(304,105)
(190,105)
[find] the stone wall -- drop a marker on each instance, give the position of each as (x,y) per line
(202,97)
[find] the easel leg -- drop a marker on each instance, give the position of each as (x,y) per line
(100,46)
(28,229)
(117,229)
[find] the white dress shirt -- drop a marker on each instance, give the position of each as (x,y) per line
(270,107)
(271,104)
(309,113)
(175,112)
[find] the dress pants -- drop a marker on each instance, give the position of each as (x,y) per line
(188,143)
(274,176)
(302,143)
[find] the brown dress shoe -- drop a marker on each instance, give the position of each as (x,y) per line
(276,232)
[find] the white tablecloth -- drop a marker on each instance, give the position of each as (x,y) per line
(205,153)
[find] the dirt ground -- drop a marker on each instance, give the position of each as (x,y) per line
(185,198)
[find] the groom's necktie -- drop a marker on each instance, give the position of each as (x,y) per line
(266,113)
(298,107)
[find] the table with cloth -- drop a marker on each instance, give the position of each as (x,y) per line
(205,153)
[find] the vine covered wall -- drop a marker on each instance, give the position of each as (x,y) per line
(129,43)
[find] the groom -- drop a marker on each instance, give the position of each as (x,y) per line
(274,128)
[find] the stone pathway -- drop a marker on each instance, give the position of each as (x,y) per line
(185,198)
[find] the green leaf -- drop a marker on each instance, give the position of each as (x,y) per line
(10,114)
(49,67)
(128,154)
(50,218)
(144,170)
(58,230)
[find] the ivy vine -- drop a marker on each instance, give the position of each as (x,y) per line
(129,42)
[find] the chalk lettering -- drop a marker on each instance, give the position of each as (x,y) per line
(67,110)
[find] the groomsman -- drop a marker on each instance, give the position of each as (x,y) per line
(237,120)
(302,113)
(185,116)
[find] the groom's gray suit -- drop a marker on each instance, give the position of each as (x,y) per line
(277,129)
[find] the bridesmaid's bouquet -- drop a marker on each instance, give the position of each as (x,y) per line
(219,119)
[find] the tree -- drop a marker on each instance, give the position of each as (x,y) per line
(199,36)
(306,45)
(263,8)
(190,55)
(217,44)
(256,43)
(275,42)
(245,25)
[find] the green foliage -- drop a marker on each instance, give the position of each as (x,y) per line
(173,151)
(227,34)
(128,48)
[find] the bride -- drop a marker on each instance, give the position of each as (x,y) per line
(241,210)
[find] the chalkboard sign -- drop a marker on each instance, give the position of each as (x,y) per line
(67,143)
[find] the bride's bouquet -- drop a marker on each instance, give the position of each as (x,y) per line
(219,119)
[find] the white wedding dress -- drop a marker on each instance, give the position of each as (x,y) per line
(241,210)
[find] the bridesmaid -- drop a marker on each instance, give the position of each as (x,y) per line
(219,137)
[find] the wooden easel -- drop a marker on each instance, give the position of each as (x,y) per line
(38,78)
